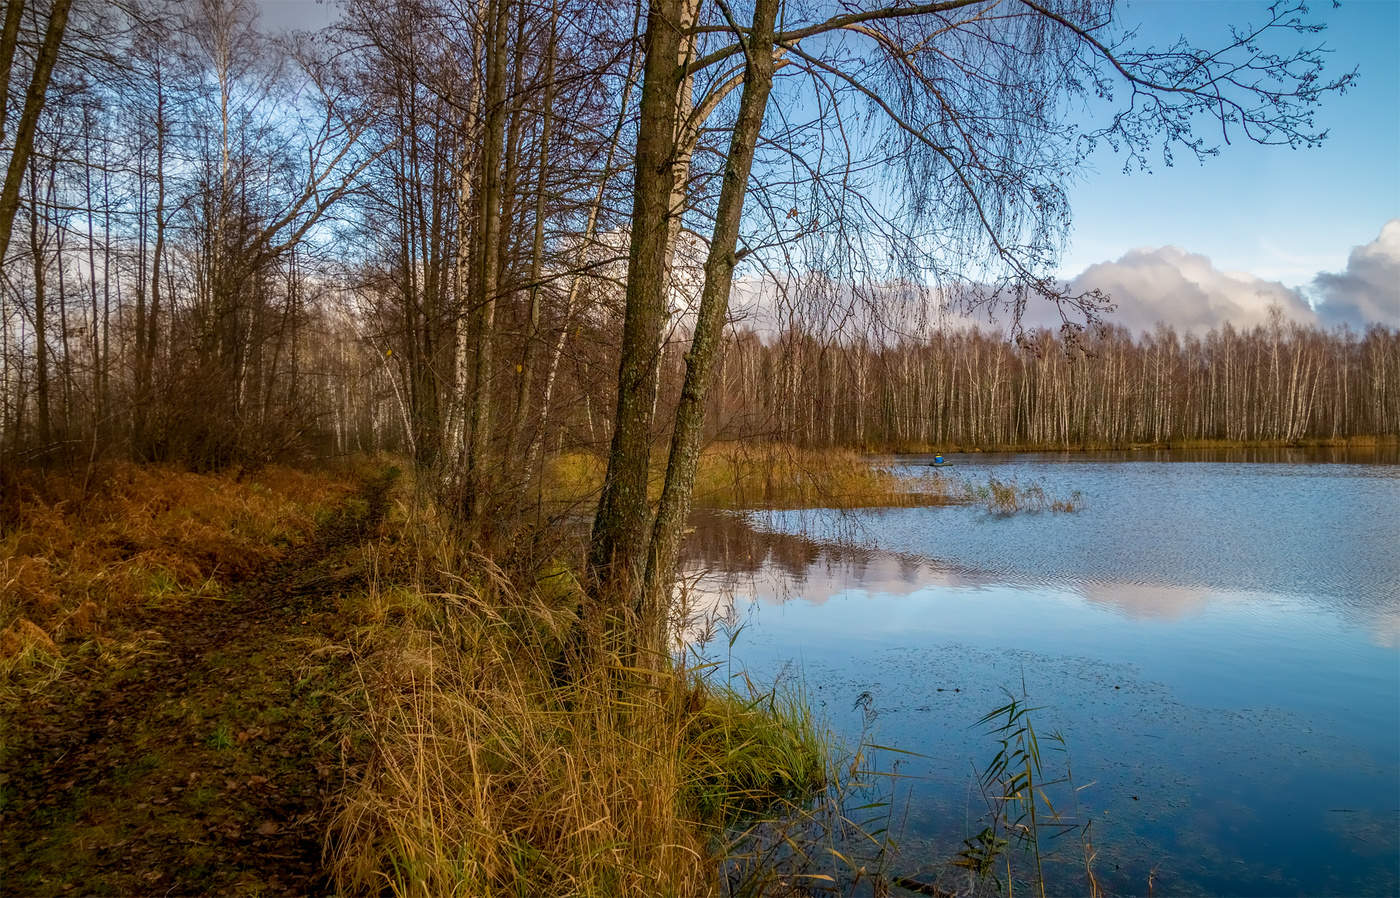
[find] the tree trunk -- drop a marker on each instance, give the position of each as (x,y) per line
(29,118)
(618,547)
(41,337)
(9,40)
(714,303)
(527,360)
(488,262)
(146,346)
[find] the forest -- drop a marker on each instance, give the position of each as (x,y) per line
(224,247)
(1277,383)
(392,266)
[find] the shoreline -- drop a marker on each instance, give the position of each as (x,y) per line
(1355,443)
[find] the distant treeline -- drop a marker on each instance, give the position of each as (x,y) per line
(1281,382)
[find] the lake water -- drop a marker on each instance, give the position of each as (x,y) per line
(1218,642)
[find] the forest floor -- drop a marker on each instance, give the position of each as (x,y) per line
(203,764)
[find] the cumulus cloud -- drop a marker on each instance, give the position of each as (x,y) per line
(1185,290)
(1369,290)
(1168,284)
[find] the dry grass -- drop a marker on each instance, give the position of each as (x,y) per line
(1009,497)
(491,774)
(82,549)
(1353,442)
(762,475)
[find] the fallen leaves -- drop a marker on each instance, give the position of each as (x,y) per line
(243,737)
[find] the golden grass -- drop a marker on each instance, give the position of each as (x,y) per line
(1352,442)
(760,475)
(492,774)
(83,549)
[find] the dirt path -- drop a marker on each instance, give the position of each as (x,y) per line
(204,766)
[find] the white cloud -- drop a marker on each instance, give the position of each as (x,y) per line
(1185,290)
(1369,289)
(1167,284)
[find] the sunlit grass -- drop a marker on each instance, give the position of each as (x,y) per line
(87,547)
(761,475)
(491,773)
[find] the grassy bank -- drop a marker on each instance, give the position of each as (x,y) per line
(761,475)
(287,683)
(292,682)
(183,743)
(490,774)
(83,552)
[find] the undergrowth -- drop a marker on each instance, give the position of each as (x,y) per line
(81,549)
(492,774)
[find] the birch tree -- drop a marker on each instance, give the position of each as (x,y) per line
(970,99)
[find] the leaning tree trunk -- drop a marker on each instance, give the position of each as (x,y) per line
(29,116)
(618,547)
(714,303)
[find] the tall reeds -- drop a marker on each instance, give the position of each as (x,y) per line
(1005,498)
(490,774)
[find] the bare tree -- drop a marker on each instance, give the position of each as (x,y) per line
(971,96)
(33,101)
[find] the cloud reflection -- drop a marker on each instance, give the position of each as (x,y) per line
(728,561)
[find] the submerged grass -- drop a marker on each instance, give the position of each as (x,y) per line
(1004,498)
(489,774)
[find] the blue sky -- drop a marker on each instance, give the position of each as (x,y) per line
(1277,213)
(1199,243)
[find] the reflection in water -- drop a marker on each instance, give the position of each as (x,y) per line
(1217,643)
(1147,599)
(1324,534)
(725,555)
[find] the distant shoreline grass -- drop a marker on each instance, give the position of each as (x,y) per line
(774,476)
(779,476)
(1382,441)
(764,475)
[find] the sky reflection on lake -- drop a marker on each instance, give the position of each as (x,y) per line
(1241,728)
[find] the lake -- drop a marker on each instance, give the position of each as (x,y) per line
(1216,637)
